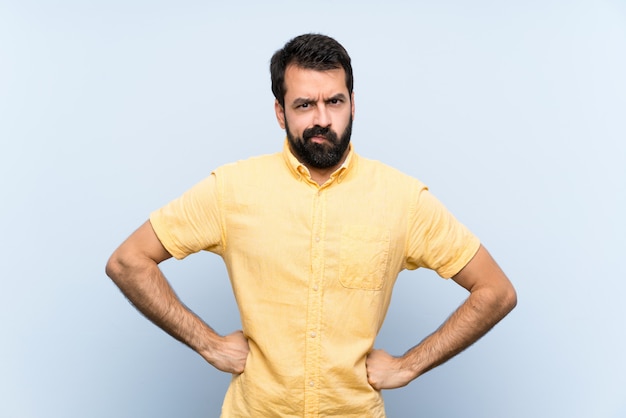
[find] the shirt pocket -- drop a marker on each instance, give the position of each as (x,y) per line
(363,256)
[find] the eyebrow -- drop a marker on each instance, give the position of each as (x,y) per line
(338,96)
(302,100)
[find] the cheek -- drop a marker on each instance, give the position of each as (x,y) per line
(296,125)
(342,123)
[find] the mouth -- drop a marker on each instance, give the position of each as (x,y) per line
(318,139)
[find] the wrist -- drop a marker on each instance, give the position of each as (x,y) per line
(206,343)
(410,365)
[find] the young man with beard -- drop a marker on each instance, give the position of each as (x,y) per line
(313,239)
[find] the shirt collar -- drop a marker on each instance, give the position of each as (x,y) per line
(299,171)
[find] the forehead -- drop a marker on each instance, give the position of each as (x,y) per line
(304,82)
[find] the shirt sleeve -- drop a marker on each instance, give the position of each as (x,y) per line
(192,222)
(436,239)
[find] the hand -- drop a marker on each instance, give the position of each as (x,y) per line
(385,371)
(230,353)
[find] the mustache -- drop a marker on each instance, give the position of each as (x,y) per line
(319,131)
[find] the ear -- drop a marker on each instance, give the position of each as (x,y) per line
(280,114)
(352,104)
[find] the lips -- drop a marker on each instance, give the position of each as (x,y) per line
(319,139)
(319,135)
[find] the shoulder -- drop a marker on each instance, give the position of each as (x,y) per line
(374,170)
(252,166)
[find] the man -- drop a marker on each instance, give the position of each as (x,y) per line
(313,239)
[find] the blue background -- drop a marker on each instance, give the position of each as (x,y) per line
(514,113)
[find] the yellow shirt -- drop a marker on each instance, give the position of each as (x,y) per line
(312,268)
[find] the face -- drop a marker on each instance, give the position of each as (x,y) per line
(317,116)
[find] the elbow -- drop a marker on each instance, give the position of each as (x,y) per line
(499,300)
(510,299)
(125,267)
(117,267)
(506,299)
(113,267)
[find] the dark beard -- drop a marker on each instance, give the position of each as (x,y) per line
(316,155)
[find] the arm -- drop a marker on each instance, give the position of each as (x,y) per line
(491,298)
(134,269)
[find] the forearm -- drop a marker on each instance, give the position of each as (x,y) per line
(143,283)
(474,318)
(134,269)
(491,298)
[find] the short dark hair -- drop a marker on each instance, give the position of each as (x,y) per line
(310,51)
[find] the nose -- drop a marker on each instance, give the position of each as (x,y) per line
(322,116)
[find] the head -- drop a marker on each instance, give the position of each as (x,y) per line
(313,87)
(310,51)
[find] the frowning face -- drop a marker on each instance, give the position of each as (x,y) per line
(317,116)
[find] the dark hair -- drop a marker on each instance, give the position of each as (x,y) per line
(310,51)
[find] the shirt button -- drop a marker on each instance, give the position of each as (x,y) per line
(311,383)
(317,239)
(315,287)
(313,335)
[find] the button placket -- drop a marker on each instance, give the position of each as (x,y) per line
(313,340)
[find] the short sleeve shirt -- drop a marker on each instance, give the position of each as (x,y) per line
(312,268)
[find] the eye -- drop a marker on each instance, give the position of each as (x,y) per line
(302,105)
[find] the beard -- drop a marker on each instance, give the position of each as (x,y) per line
(324,155)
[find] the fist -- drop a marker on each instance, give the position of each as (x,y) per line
(385,371)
